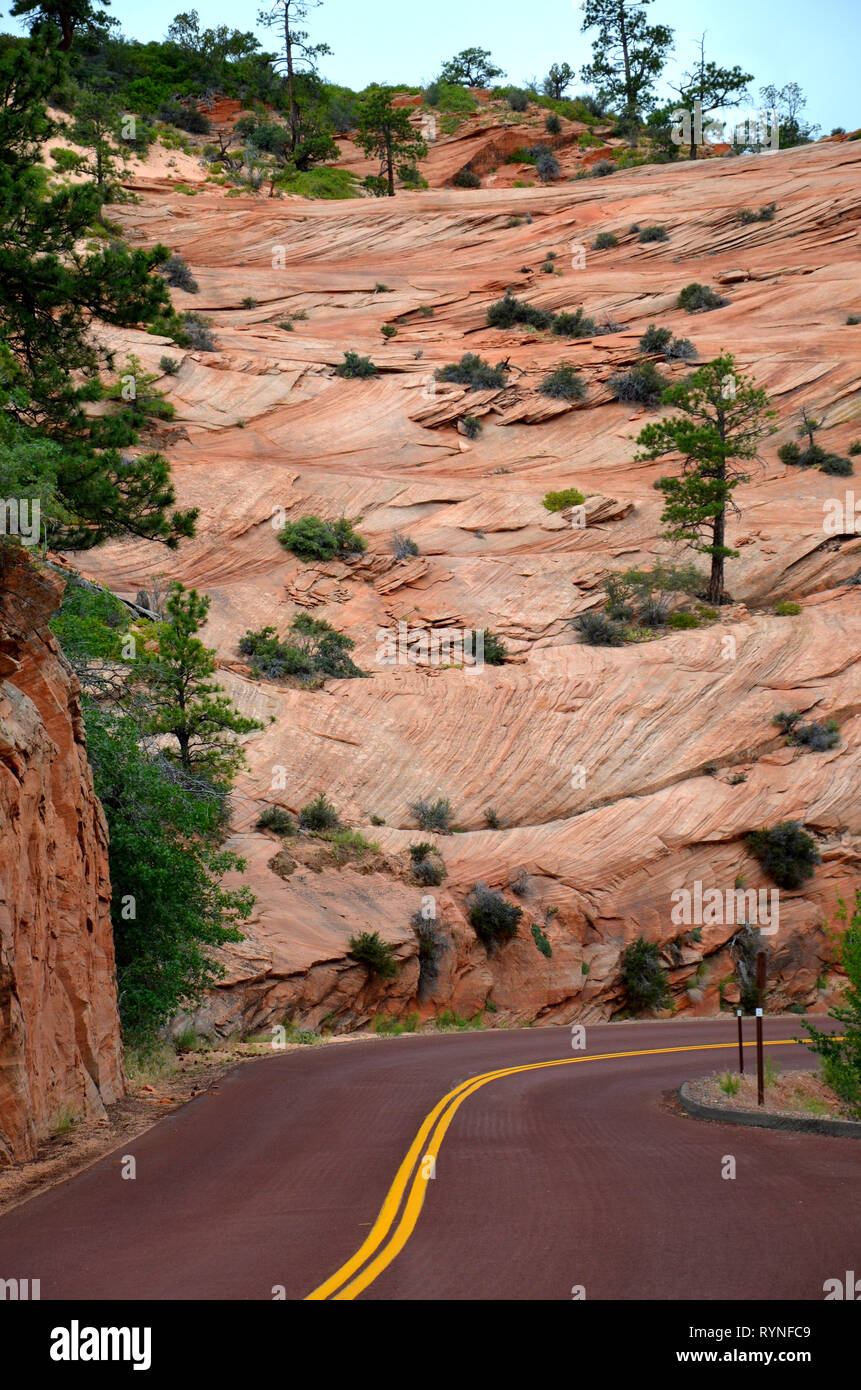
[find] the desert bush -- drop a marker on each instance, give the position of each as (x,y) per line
(474,372)
(472,426)
(680,350)
(275,818)
(765,214)
(428,872)
(695,298)
(493,919)
(603,168)
(655,339)
(494,819)
(818,735)
(787,609)
(178,275)
(249,302)
(641,384)
(604,240)
(505,312)
(563,384)
(518,100)
(313,648)
(403,547)
(495,650)
(541,940)
(169,365)
(188,118)
(786,852)
(576,325)
(197,330)
(644,976)
(389,330)
(656,231)
(319,815)
(567,497)
(546,164)
(465,178)
(355,366)
(683,620)
(375,954)
(553,125)
(597,630)
(313,539)
(519,885)
(854,448)
(433,815)
(835,465)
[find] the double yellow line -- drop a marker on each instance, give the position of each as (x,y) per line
(420,1163)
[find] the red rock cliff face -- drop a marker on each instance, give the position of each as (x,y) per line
(60,1046)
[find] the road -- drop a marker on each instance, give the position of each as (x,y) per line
(572,1172)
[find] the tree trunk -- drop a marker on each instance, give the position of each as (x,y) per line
(716,580)
(630,95)
(389,165)
(291,87)
(66,27)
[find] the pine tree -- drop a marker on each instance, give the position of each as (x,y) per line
(723,416)
(627,56)
(712,87)
(384,130)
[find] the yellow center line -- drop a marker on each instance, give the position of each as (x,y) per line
(436,1123)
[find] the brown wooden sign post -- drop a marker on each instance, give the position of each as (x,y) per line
(760,991)
(740,1047)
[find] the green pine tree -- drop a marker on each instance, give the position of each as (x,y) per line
(384,130)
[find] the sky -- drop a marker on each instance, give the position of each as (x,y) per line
(780,41)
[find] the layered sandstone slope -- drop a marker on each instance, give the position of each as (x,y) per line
(60,1050)
(601,762)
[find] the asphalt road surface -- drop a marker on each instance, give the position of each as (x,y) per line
(382,1171)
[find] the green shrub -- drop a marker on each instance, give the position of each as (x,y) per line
(376,955)
(597,630)
(472,426)
(841,1051)
(389,330)
(312,649)
(465,178)
(474,372)
(355,366)
(680,350)
(427,865)
(546,163)
(835,465)
(854,448)
(313,539)
(644,976)
(786,609)
(818,735)
(604,240)
(493,919)
(558,501)
(276,819)
(852,319)
(655,232)
(603,168)
(178,275)
(563,384)
(196,329)
(249,302)
(495,650)
(576,325)
(786,852)
(730,1084)
(655,339)
(641,384)
(403,547)
(518,100)
(553,125)
(319,815)
(169,365)
(433,815)
(541,940)
(695,298)
(506,312)
(683,620)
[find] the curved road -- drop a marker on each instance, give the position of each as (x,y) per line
(569,1170)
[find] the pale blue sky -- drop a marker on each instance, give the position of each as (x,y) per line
(815,44)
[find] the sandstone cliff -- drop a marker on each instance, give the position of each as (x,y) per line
(60,1051)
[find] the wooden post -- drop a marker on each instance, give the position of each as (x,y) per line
(760,992)
(740,1047)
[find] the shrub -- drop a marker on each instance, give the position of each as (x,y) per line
(197,329)
(169,365)
(275,818)
(354,365)
(546,164)
(494,820)
(655,232)
(319,815)
(604,240)
(655,339)
(790,454)
(603,168)
(838,467)
(852,319)
(472,426)
(493,919)
(389,330)
(576,325)
(376,955)
(765,214)
(519,885)
(188,118)
(427,871)
(313,539)
(474,372)
(433,815)
(729,1084)
(541,940)
(641,384)
(505,312)
(644,976)
(680,350)
(518,100)
(465,178)
(841,1051)
(553,125)
(695,298)
(558,501)
(548,268)
(495,650)
(563,384)
(313,648)
(818,735)
(854,448)
(786,609)
(402,546)
(249,302)
(178,275)
(597,630)
(683,620)
(786,852)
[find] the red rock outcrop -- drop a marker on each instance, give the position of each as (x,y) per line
(60,1050)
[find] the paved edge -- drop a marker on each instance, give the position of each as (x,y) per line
(848,1129)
